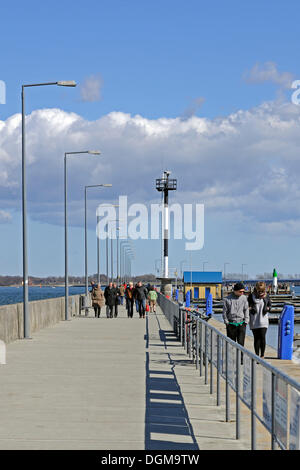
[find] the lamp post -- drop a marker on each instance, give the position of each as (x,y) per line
(244,264)
(123,244)
(125,247)
(156,268)
(111,247)
(26,313)
(128,259)
(85,230)
(98,243)
(91,152)
(225,270)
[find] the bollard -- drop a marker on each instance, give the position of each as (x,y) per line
(286,333)
(2,352)
(85,305)
(188,298)
(209,305)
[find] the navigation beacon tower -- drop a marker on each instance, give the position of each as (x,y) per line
(165,184)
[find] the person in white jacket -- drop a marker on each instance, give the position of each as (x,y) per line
(259,307)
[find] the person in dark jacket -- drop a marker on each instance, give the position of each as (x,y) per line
(259,307)
(117,300)
(110,295)
(141,294)
(129,295)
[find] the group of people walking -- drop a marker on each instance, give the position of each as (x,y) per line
(239,311)
(142,297)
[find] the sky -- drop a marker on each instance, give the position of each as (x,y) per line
(200,88)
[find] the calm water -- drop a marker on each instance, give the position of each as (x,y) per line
(13,295)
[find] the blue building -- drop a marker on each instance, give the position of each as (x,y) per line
(201,283)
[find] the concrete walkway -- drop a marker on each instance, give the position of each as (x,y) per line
(108,384)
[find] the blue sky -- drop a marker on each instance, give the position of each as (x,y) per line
(171,60)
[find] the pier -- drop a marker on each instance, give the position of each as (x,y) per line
(117,383)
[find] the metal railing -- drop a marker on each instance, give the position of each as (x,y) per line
(272,397)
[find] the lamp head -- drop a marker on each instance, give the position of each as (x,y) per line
(67,83)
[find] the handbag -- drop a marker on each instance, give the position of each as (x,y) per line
(147,308)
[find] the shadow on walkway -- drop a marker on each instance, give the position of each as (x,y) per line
(167,425)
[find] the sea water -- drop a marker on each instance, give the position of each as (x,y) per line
(13,295)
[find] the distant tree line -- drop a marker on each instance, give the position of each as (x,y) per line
(59,280)
(270,276)
(236,276)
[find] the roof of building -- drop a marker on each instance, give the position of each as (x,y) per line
(214,277)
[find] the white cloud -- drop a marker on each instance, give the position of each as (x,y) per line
(268,72)
(5,217)
(245,164)
(192,109)
(90,90)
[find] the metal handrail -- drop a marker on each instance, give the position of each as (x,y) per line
(195,333)
(235,386)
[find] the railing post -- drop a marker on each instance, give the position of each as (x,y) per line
(192,340)
(227,384)
(201,349)
(182,327)
(211,362)
(206,355)
(237,387)
(218,371)
(197,343)
(190,337)
(253,404)
(185,331)
(273,413)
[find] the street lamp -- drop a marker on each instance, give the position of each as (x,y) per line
(26,314)
(126,247)
(85,230)
(91,152)
(225,270)
(243,271)
(123,244)
(156,268)
(111,246)
(128,258)
(181,263)
(98,243)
